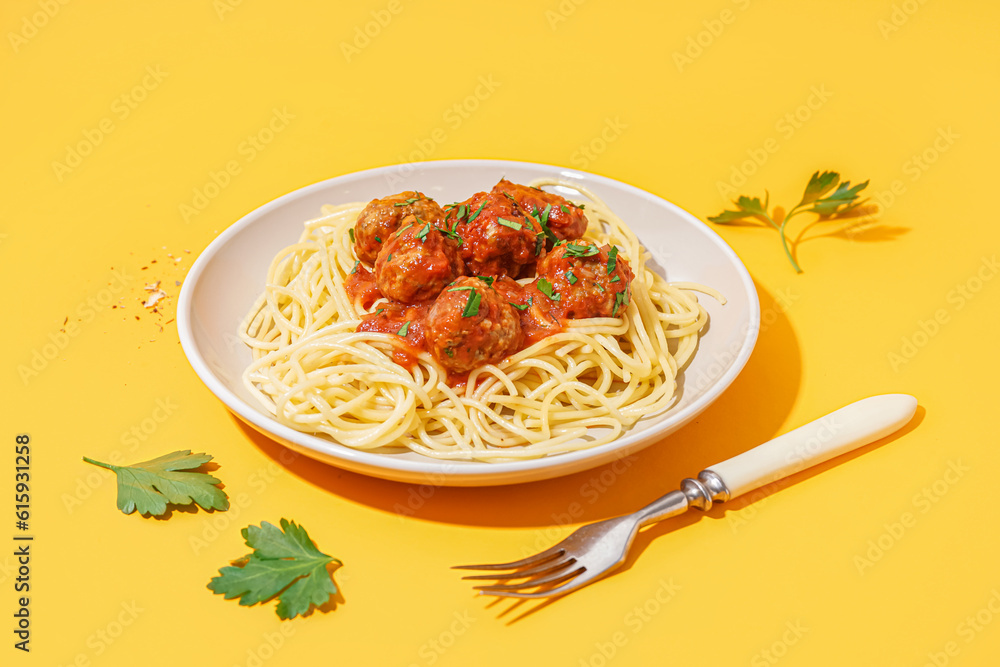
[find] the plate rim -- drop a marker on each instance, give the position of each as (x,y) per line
(437,471)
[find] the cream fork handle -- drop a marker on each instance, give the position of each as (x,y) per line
(837,433)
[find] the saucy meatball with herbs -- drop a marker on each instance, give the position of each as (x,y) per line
(382,217)
(471,324)
(497,239)
(565,219)
(416,262)
(578,279)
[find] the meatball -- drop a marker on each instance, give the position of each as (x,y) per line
(580,280)
(471,324)
(383,216)
(565,219)
(498,240)
(416,262)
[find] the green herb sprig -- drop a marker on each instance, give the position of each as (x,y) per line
(843,200)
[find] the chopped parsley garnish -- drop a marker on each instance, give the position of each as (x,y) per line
(580,206)
(450,352)
(463,288)
(539,243)
(422,234)
(356,265)
(545,287)
(478,211)
(350,232)
(562,207)
(612,259)
(615,279)
(403,229)
(600,287)
(462,211)
(452,234)
(519,306)
(403,329)
(487,279)
(544,224)
(570,277)
(621,299)
(411,200)
(379,311)
(509,223)
(378,240)
(545,214)
(389,258)
(472,305)
(574,250)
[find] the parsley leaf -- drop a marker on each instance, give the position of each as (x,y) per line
(284,563)
(571,278)
(545,287)
(562,207)
(472,305)
(357,263)
(838,205)
(403,229)
(452,234)
(150,485)
(478,211)
(403,329)
(574,250)
(486,279)
(509,223)
(519,306)
(422,234)
(350,232)
(544,218)
(612,259)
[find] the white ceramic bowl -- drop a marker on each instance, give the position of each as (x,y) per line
(230,273)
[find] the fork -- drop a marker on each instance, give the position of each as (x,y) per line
(593,550)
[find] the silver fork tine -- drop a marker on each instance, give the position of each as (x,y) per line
(551,579)
(521,574)
(540,557)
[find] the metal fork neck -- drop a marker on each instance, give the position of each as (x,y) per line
(705,490)
(701,493)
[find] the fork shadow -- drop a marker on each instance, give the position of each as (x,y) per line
(736,421)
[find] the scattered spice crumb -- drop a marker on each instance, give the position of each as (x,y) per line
(66,320)
(152,287)
(143,268)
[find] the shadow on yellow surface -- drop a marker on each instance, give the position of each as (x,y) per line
(750,412)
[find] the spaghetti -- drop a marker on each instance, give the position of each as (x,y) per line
(572,390)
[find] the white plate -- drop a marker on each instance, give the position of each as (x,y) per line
(227,277)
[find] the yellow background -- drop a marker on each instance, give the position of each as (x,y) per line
(821,570)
